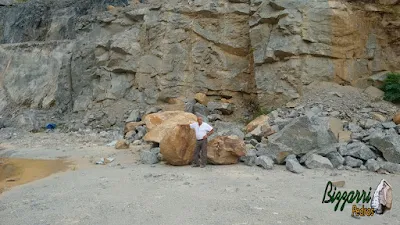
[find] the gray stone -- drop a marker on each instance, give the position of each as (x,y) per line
(7,2)
(281,123)
(154,109)
(155,150)
(265,162)
(29,121)
(323,152)
(388,125)
(225,108)
(389,145)
(358,150)
(352,162)
(369,123)
(335,158)
(133,116)
(248,137)
(148,157)
(250,158)
(254,142)
(372,165)
(289,157)
(354,128)
(214,117)
(293,165)
(341,167)
(390,167)
(362,167)
(226,129)
(200,109)
(189,105)
(302,135)
(317,161)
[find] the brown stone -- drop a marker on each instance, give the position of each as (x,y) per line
(379,117)
(261,120)
(396,118)
(344,136)
(159,124)
(154,119)
(336,126)
(121,144)
(224,150)
(338,183)
(201,98)
(132,126)
(177,146)
(281,156)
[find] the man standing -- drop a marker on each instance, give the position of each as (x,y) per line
(203,131)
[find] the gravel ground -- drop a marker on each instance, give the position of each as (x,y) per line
(126,192)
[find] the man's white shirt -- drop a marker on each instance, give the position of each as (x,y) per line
(201,130)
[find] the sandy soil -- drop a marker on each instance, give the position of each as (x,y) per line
(127,192)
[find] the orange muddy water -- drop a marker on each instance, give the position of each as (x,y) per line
(15,172)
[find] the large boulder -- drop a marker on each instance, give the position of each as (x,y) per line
(159,124)
(226,129)
(389,145)
(177,146)
(225,150)
(301,136)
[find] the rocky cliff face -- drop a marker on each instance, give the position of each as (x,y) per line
(97,60)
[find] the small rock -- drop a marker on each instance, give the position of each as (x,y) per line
(367,124)
(121,144)
(352,162)
(133,116)
(396,118)
(335,158)
(148,157)
(317,161)
(293,165)
(265,162)
(225,108)
(281,156)
(372,165)
(334,113)
(362,167)
(154,109)
(354,128)
(338,183)
(388,125)
(201,98)
(379,117)
(214,117)
(250,158)
(374,93)
(390,167)
(341,167)
(254,142)
(137,142)
(358,150)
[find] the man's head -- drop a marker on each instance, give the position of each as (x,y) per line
(199,120)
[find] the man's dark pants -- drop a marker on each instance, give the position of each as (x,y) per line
(200,153)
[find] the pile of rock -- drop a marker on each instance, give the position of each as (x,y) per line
(315,138)
(209,110)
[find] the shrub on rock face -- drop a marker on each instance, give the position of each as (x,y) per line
(391,87)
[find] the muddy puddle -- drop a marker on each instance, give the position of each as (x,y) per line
(15,172)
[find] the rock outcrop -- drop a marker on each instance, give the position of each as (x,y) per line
(92,62)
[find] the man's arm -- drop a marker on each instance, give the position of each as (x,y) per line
(210,132)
